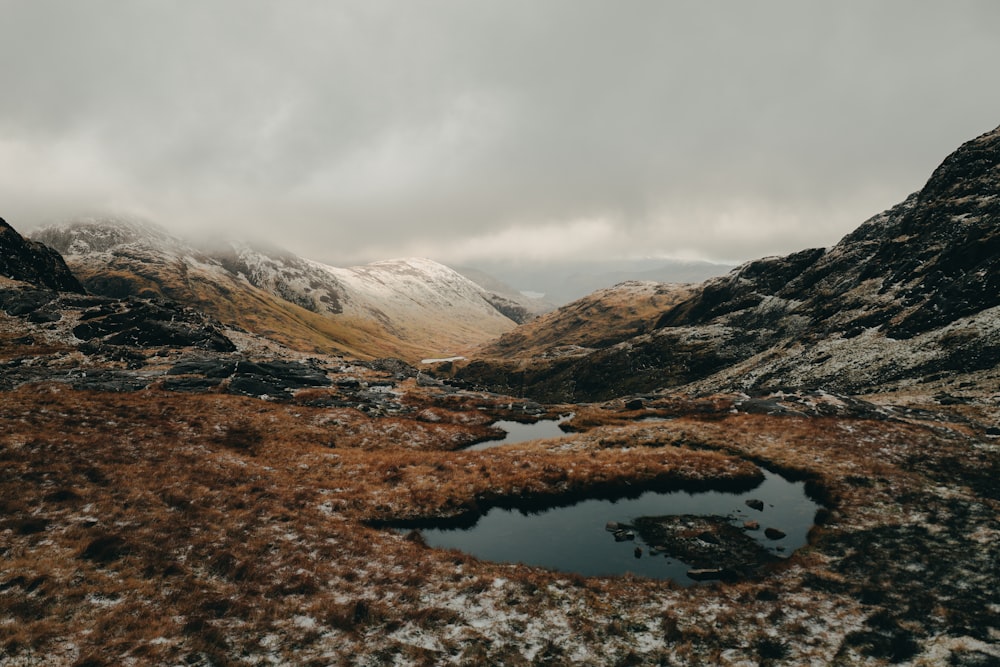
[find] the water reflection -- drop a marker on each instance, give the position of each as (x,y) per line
(575,539)
(518,432)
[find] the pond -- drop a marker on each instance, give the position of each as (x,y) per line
(676,535)
(518,432)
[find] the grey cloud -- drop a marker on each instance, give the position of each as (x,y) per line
(726,130)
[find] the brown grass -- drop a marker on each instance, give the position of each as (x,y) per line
(166,528)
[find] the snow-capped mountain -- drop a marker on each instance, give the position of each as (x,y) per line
(413,299)
(910,297)
(409,308)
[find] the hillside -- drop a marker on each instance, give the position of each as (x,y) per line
(603,318)
(175,490)
(178,492)
(406,308)
(907,298)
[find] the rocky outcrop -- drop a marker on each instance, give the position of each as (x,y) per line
(145,324)
(34,262)
(275,379)
(913,293)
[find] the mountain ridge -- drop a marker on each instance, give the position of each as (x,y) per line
(924,271)
(407,308)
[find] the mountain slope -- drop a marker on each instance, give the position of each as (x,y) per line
(408,308)
(911,294)
(606,317)
(414,300)
(505,298)
(32,262)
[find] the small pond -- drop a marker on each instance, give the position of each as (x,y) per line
(518,432)
(661,535)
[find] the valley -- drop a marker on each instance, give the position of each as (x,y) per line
(205,454)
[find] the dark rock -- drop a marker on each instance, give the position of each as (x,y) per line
(149,324)
(635,404)
(424,380)
(681,537)
(212,368)
(111,381)
(638,552)
(34,263)
(773,534)
(705,574)
(756,504)
(166,334)
(395,366)
(915,269)
(272,378)
(255,385)
(624,535)
(18,302)
(708,537)
(295,374)
(191,384)
(44,316)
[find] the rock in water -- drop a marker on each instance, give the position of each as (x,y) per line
(773,534)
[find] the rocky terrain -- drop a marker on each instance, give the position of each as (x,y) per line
(178,488)
(909,297)
(411,308)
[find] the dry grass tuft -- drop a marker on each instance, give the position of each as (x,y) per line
(157,528)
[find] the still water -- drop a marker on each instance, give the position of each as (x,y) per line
(518,432)
(574,539)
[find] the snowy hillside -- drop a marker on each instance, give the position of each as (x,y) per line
(411,308)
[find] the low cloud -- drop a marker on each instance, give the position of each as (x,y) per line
(357,130)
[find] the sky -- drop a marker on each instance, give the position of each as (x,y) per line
(465,130)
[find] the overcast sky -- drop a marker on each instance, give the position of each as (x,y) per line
(462,129)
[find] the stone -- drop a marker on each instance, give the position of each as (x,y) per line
(705,573)
(18,302)
(33,262)
(708,537)
(44,315)
(190,384)
(635,404)
(255,385)
(755,504)
(751,525)
(773,534)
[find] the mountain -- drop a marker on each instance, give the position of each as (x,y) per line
(34,263)
(508,300)
(406,308)
(601,319)
(911,296)
(158,464)
(563,281)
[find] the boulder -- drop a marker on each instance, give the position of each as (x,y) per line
(755,504)
(773,534)
(33,262)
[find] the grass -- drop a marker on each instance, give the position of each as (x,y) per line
(160,528)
